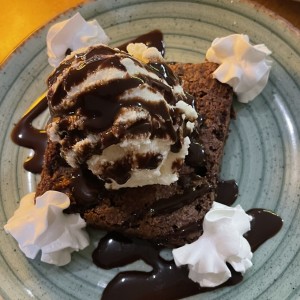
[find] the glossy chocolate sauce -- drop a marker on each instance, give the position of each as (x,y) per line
(25,135)
(227,192)
(264,225)
(151,39)
(87,189)
(166,280)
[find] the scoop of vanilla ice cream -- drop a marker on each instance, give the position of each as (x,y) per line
(126,120)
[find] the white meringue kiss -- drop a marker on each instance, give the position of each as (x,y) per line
(44,227)
(143,53)
(243,66)
(222,241)
(74,33)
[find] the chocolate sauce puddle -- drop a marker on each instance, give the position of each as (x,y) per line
(25,135)
(166,280)
(265,224)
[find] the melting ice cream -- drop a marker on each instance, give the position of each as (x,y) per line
(127,121)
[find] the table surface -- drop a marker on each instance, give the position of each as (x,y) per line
(23,17)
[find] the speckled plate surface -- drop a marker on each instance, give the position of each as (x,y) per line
(262,152)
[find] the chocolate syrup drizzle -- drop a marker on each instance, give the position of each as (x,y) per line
(166,280)
(25,135)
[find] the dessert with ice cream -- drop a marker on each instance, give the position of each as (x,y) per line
(134,146)
(124,130)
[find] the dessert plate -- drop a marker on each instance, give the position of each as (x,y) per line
(262,152)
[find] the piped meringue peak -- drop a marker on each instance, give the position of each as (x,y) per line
(222,241)
(143,53)
(72,34)
(44,227)
(243,66)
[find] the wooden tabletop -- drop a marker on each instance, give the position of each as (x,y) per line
(18,19)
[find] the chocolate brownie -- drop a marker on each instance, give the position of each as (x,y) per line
(170,215)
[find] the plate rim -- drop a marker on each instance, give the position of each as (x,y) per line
(32,36)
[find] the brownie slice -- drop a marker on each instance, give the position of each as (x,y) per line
(170,215)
